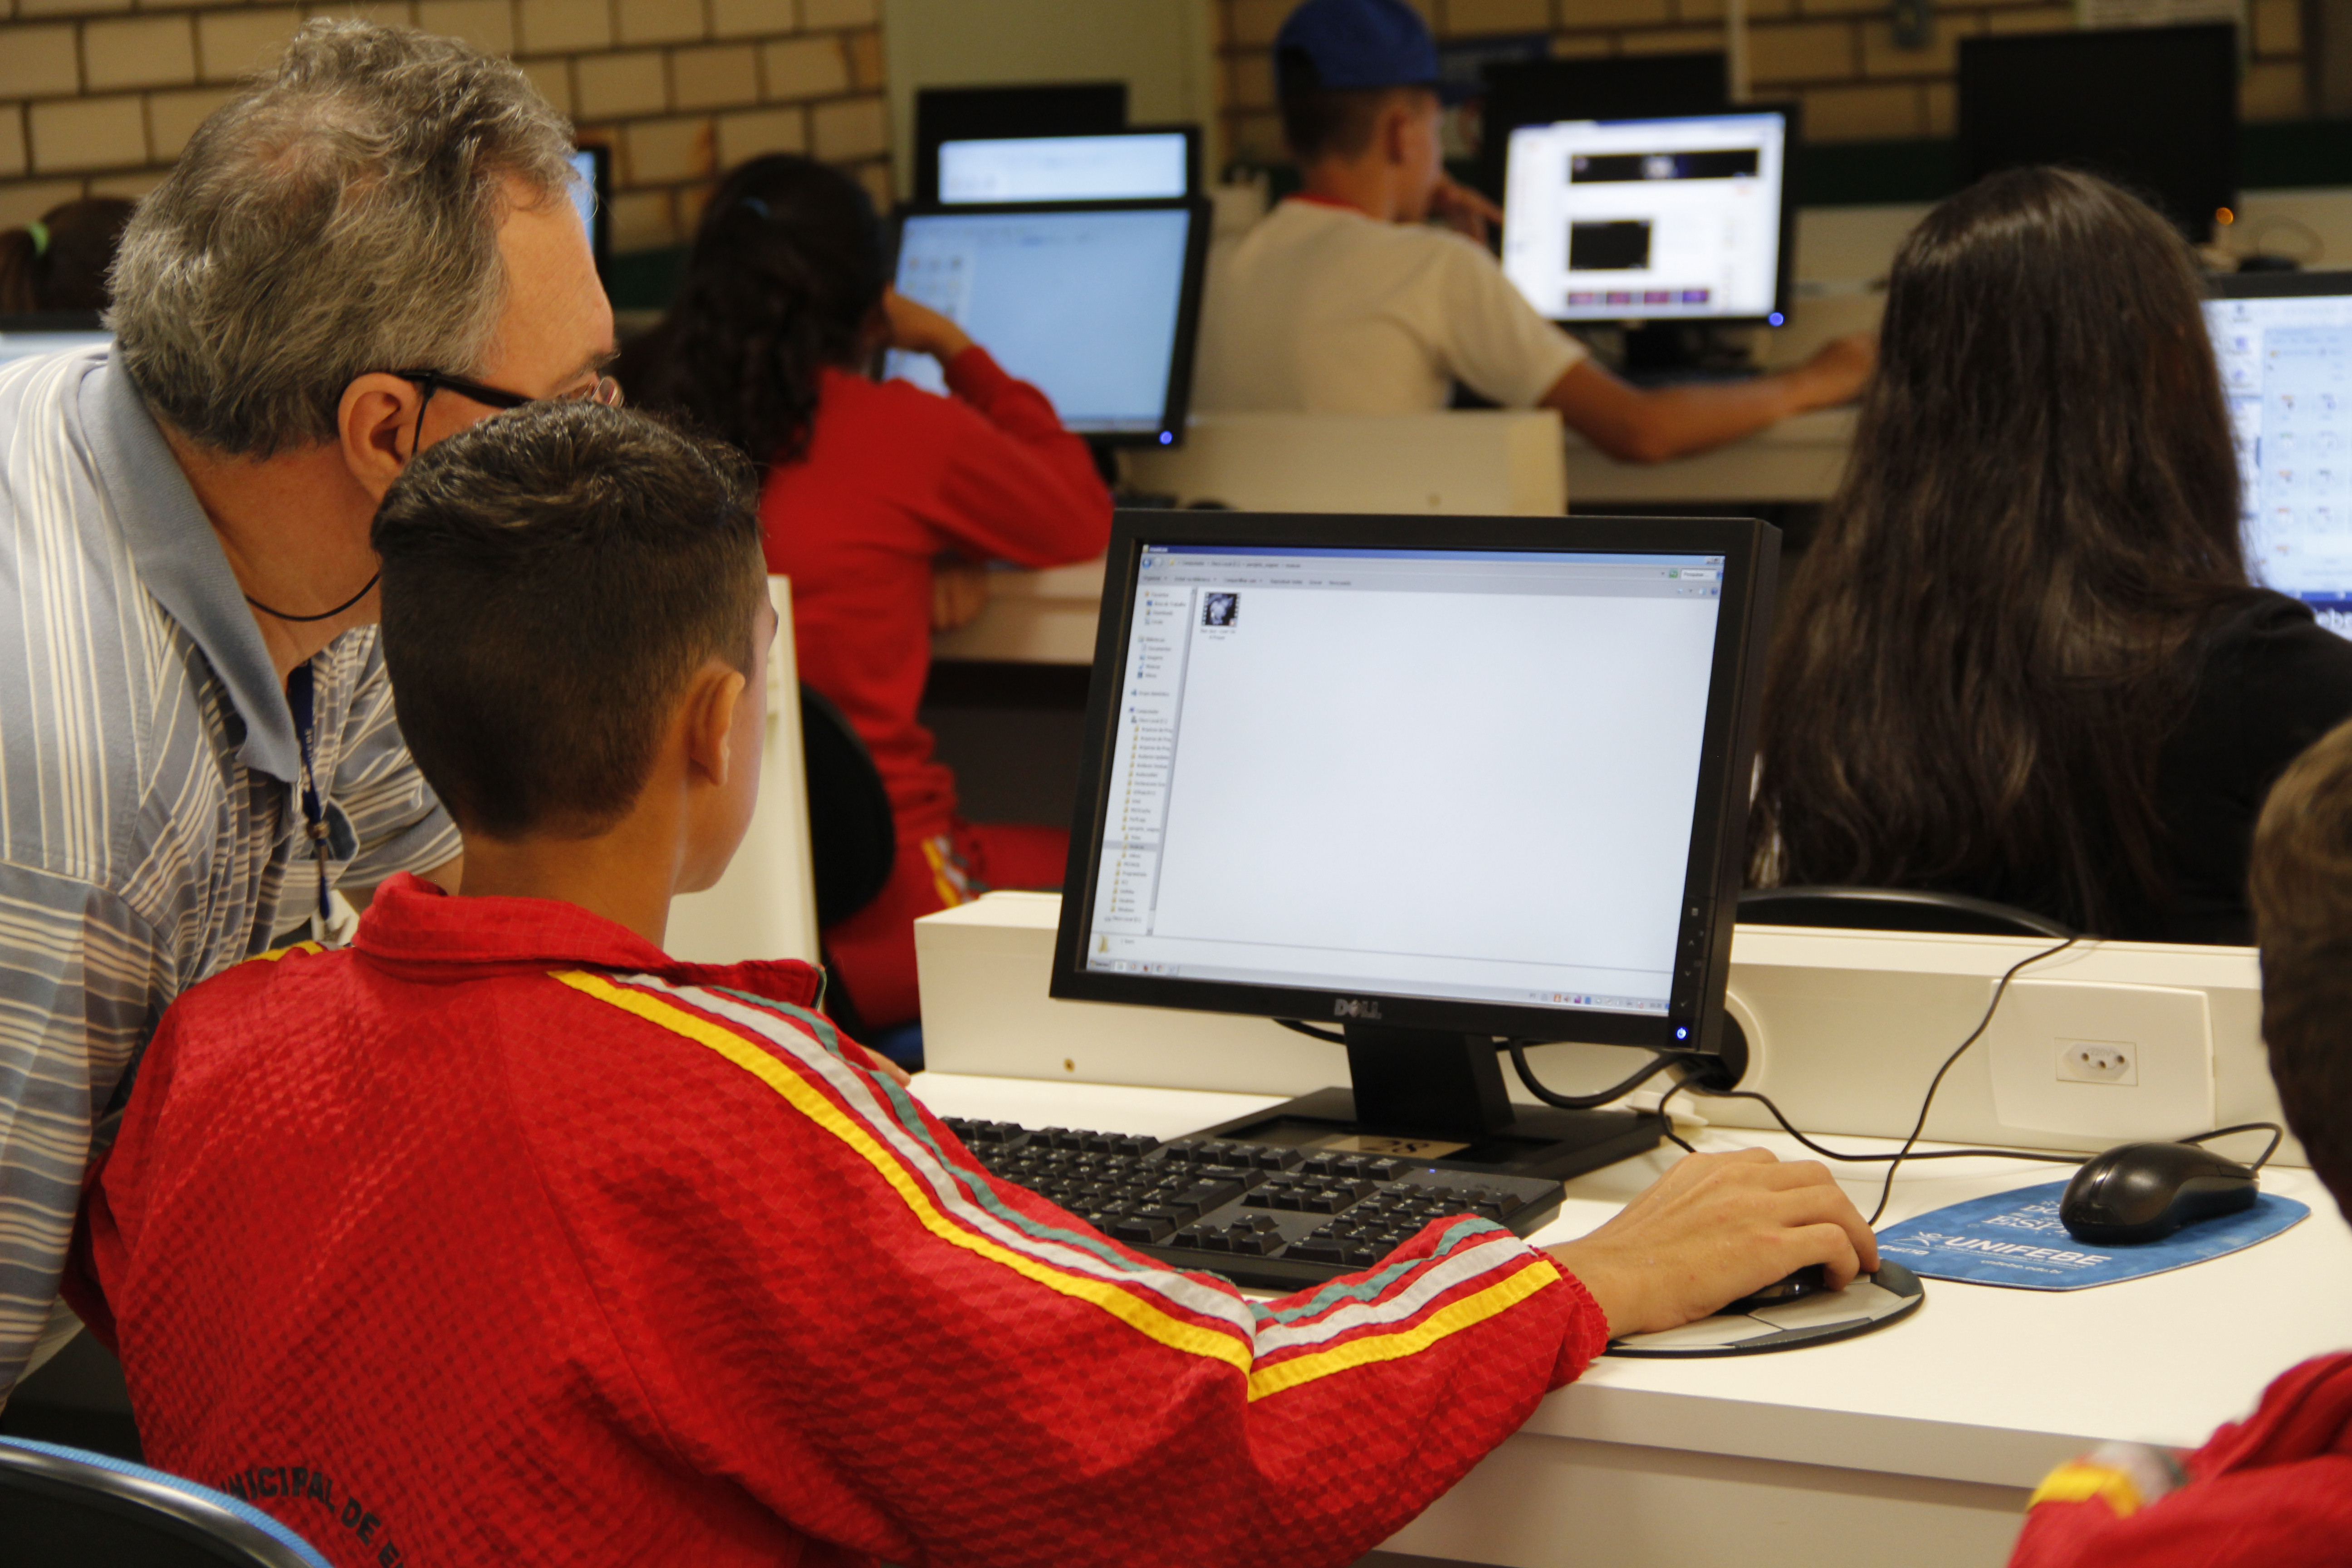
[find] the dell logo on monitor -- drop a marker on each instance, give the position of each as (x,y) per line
(1355,1007)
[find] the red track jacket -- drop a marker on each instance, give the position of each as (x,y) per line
(502,1238)
(2274,1490)
(895,476)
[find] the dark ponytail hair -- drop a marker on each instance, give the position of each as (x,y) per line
(1978,663)
(61,262)
(784,279)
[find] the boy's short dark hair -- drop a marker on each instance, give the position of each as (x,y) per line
(2302,893)
(1321,122)
(551,578)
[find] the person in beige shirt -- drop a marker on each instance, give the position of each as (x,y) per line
(1346,299)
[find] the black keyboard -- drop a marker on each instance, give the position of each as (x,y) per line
(1266,1214)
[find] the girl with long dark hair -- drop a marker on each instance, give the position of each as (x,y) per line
(868,485)
(2023,659)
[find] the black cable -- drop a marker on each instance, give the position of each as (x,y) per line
(2278,1136)
(1313,1033)
(1887,1188)
(1659,1062)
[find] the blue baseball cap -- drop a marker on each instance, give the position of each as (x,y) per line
(1356,44)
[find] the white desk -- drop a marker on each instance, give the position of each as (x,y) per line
(1918,1444)
(1799,459)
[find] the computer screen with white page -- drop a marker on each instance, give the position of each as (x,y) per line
(1136,166)
(1093,306)
(1432,773)
(2286,373)
(1665,219)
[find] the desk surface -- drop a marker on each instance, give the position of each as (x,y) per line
(1981,1385)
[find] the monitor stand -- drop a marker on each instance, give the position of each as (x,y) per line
(1437,1097)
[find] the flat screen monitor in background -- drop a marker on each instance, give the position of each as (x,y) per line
(1562,711)
(1097,305)
(1131,165)
(1681,219)
(985,113)
(2154,109)
(592,192)
(1622,87)
(47,332)
(2285,343)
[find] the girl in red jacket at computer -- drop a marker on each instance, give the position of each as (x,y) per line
(879,502)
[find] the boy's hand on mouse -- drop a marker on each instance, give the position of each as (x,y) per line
(1839,370)
(918,329)
(959,592)
(1712,1229)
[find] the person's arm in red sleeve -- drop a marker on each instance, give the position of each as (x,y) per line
(1013,485)
(900,1355)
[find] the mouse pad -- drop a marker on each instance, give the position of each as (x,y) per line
(2015,1239)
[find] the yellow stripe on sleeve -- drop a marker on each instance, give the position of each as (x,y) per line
(275,953)
(1500,1297)
(1124,1305)
(2079,1482)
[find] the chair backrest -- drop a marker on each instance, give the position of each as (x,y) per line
(65,1508)
(765,906)
(1483,464)
(853,838)
(1892,908)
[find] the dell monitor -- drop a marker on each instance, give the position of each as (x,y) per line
(1682,220)
(1049,109)
(2153,108)
(1513,93)
(1095,304)
(1440,782)
(2285,343)
(1130,165)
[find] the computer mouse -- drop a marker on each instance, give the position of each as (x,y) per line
(1811,1280)
(2144,1191)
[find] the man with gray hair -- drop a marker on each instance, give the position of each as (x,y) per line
(371,248)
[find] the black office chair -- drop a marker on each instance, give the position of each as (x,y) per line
(1892,908)
(65,1507)
(853,839)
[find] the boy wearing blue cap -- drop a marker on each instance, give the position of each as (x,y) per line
(1346,300)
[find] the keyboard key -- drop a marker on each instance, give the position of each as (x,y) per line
(1315,1251)
(1257,1243)
(1144,1229)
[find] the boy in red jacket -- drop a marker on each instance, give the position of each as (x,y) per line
(502,1237)
(2274,1489)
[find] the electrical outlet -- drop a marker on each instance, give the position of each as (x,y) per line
(2098,1061)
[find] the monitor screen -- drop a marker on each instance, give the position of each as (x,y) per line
(1136,166)
(2154,109)
(1041,108)
(1414,771)
(1615,87)
(2286,372)
(1094,306)
(591,194)
(1648,219)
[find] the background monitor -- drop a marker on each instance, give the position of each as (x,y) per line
(2285,343)
(1131,165)
(1436,781)
(47,332)
(592,194)
(978,114)
(1683,220)
(2154,109)
(1621,86)
(1098,305)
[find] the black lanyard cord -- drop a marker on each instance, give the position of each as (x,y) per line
(365,588)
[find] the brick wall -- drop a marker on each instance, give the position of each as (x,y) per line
(97,98)
(1838,56)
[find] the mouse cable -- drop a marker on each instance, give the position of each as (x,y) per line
(1659,1062)
(2278,1136)
(1312,1032)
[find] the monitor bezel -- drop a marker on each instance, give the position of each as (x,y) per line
(1713,874)
(1177,399)
(2277,285)
(1784,260)
(1190,134)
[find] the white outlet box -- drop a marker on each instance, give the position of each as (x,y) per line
(2103,1062)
